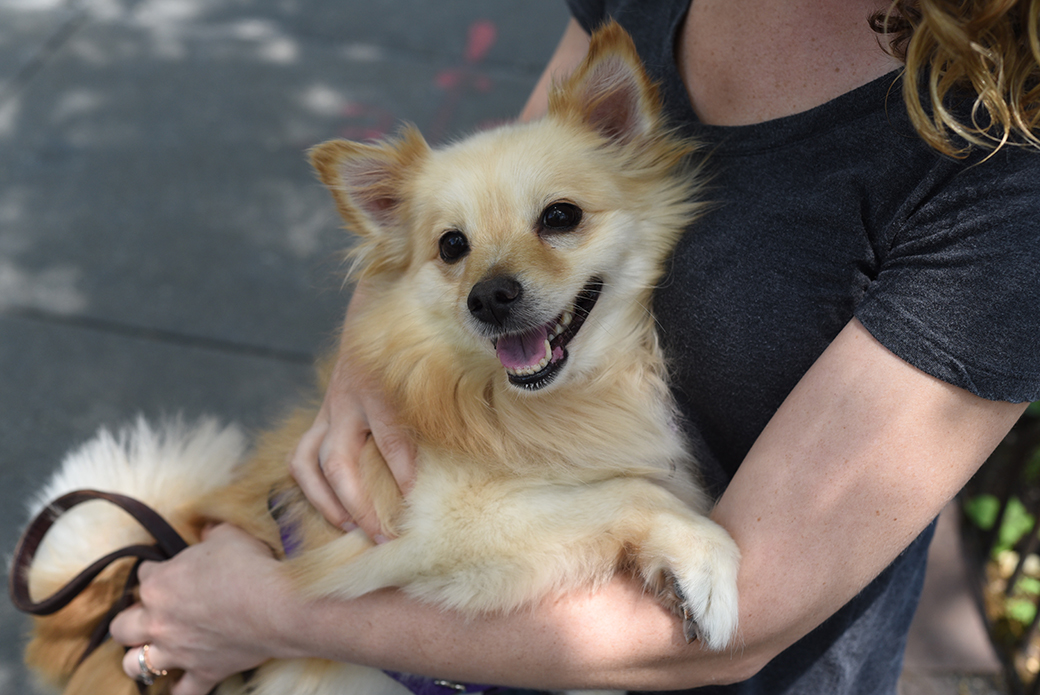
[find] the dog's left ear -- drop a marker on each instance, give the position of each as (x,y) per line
(369,183)
(610,91)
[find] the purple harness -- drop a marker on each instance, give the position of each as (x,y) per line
(422,685)
(419,685)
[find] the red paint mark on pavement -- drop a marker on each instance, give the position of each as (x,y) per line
(482,34)
(372,122)
(456,81)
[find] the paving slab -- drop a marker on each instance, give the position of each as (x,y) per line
(948,633)
(159,174)
(948,650)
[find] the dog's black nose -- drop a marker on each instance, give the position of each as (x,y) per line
(491,300)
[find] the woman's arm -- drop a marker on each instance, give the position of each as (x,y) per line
(862,455)
(568,55)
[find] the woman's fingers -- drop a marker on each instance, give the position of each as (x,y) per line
(192,684)
(397,448)
(338,462)
(326,461)
(141,666)
(305,468)
(130,627)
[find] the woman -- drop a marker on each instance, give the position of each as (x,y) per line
(854,328)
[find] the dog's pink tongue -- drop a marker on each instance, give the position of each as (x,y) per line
(523,349)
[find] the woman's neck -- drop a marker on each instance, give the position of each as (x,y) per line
(749,61)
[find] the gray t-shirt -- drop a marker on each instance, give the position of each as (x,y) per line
(834,213)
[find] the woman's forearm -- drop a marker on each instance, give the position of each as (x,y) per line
(616,637)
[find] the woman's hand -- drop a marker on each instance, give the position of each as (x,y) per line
(208,611)
(325,463)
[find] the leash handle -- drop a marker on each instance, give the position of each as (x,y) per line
(168,544)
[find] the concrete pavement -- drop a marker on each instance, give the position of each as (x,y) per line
(164,247)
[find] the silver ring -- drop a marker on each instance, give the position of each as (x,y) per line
(148,672)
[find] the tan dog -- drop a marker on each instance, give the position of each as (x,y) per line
(509,280)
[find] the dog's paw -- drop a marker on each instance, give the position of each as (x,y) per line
(696,577)
(710,616)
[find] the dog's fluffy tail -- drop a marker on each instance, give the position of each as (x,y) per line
(167,467)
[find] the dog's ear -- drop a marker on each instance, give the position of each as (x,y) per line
(610,91)
(369,183)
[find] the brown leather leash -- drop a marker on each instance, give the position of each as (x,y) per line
(168,543)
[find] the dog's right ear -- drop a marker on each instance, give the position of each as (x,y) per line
(610,91)
(369,183)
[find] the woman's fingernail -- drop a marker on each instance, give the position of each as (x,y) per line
(349,526)
(380,539)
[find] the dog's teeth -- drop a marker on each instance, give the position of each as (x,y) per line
(561,325)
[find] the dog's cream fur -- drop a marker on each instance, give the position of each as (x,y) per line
(519,493)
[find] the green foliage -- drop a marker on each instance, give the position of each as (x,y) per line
(1021,610)
(1011,613)
(1017,522)
(1029,586)
(982,510)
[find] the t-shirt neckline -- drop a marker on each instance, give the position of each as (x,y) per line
(870,99)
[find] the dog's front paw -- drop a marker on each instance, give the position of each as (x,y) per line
(694,567)
(707,605)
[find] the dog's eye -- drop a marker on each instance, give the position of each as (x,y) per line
(453,246)
(561,217)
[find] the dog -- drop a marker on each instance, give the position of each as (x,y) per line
(508,283)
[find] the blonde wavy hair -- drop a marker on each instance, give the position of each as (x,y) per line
(988,50)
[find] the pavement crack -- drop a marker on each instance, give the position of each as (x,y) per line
(160,335)
(43,55)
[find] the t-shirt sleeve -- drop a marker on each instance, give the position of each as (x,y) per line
(957,294)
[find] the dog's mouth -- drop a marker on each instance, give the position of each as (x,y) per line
(533,358)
